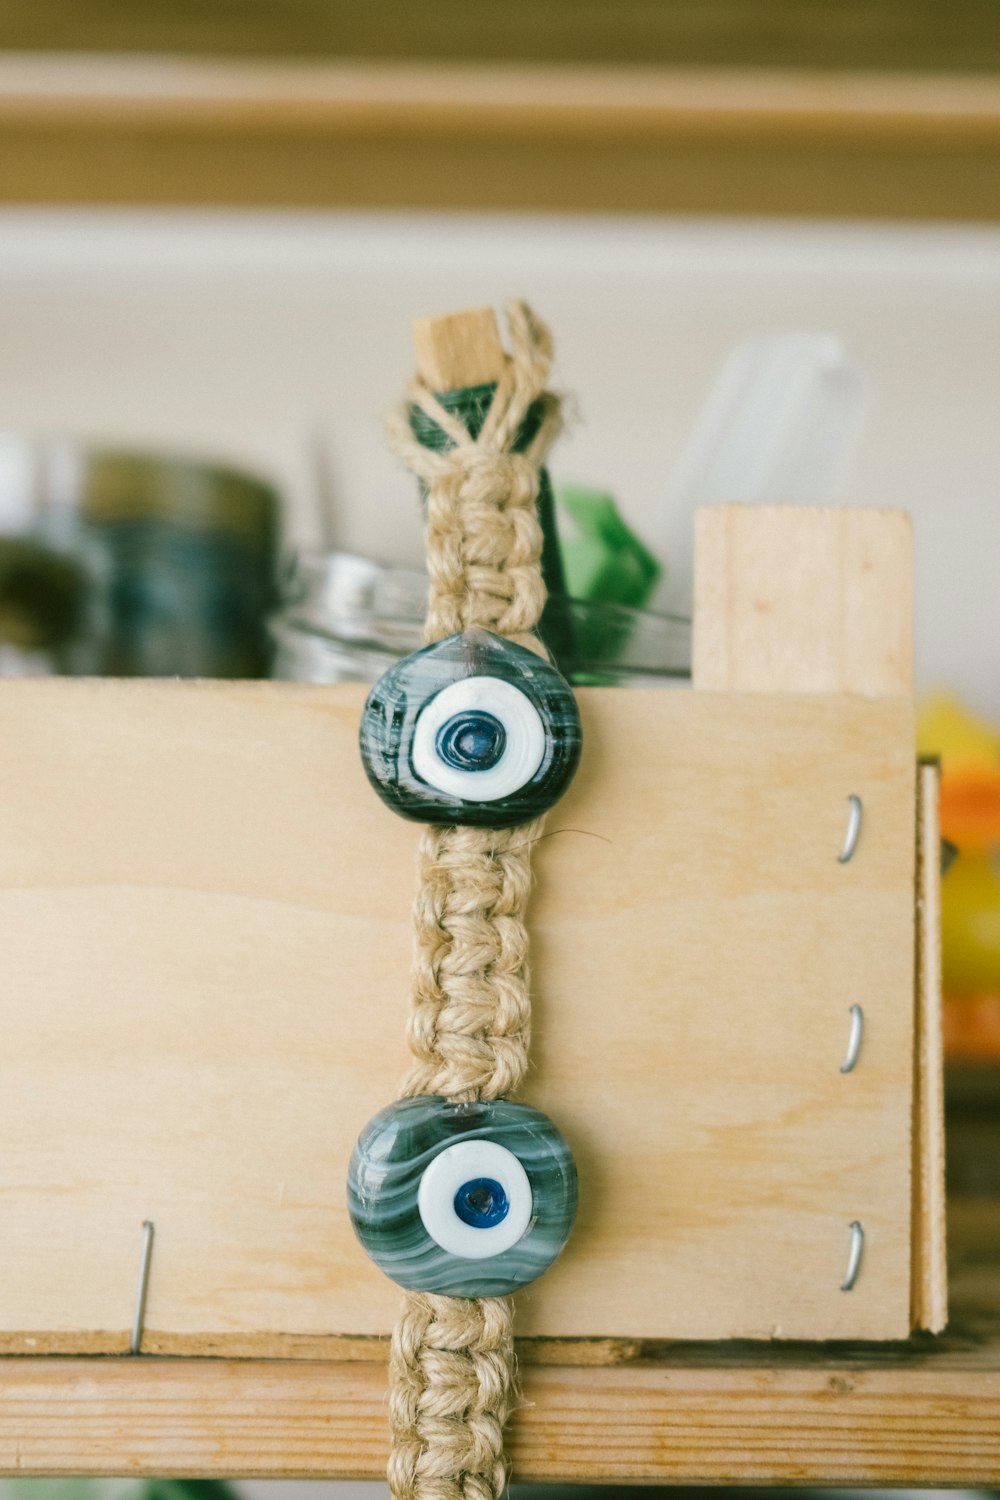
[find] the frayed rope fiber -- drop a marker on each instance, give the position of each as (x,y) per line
(453,1380)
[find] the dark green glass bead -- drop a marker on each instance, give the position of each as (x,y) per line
(473,730)
(468,1200)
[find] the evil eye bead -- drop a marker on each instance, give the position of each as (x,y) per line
(468,1200)
(472,730)
(479,740)
(475,1200)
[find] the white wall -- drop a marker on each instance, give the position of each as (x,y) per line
(278,340)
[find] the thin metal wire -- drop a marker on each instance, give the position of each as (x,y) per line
(853,828)
(142,1285)
(854,1040)
(854,1258)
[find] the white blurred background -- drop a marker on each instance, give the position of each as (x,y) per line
(276,341)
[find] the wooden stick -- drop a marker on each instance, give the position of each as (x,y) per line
(929,1290)
(459,349)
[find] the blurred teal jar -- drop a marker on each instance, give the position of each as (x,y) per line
(118,563)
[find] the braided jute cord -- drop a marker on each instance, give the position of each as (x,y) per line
(452,1375)
(483,536)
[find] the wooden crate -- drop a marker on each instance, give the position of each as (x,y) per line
(926,1412)
(206,947)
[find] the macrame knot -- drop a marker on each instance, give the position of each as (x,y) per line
(484,546)
(452,1373)
(451,1367)
(484,539)
(470,1013)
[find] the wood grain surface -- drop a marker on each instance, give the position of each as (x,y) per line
(922,1412)
(803,599)
(206,948)
(459,349)
(930,1271)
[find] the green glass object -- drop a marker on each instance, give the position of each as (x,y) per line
(604,559)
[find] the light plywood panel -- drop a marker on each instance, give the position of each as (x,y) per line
(926,1412)
(204,977)
(803,599)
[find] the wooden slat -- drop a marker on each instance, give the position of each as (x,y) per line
(206,919)
(803,599)
(793,600)
(487,102)
(923,1413)
(366,1349)
(930,1277)
(161,130)
(838,1424)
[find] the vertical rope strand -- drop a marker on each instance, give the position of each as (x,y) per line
(452,1373)
(483,535)
(452,1386)
(470,1011)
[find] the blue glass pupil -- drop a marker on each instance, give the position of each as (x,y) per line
(473,740)
(481,1202)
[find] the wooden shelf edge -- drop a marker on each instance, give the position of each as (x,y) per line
(837,1422)
(515,101)
(926,1412)
(332,1348)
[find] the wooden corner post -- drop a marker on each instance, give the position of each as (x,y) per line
(820,600)
(803,599)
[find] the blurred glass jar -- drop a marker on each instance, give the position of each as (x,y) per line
(129,564)
(348,619)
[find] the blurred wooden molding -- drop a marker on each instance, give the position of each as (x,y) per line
(119,129)
(889,35)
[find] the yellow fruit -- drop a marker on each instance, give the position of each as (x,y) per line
(970,922)
(970,769)
(945,727)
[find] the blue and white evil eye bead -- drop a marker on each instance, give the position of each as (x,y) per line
(468,1200)
(473,730)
